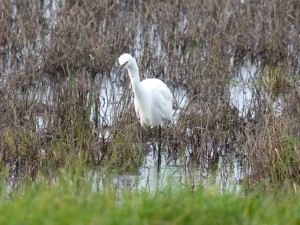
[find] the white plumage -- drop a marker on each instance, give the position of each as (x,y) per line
(152,98)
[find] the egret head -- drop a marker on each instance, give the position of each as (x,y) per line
(126,61)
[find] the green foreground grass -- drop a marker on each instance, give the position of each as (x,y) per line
(70,200)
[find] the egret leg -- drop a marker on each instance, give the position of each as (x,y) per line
(159,149)
(141,150)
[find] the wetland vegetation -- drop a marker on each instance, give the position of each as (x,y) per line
(233,67)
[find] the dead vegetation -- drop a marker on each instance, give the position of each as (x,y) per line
(57,70)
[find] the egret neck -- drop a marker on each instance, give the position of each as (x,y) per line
(140,96)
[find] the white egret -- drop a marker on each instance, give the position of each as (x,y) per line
(152,99)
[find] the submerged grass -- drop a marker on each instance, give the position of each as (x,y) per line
(60,99)
(70,200)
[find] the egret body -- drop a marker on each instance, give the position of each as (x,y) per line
(152,98)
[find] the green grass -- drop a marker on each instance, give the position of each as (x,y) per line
(71,200)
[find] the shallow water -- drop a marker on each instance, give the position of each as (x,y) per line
(180,169)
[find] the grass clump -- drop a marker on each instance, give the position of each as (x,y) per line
(122,153)
(70,200)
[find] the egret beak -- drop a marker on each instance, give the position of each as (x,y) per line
(121,68)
